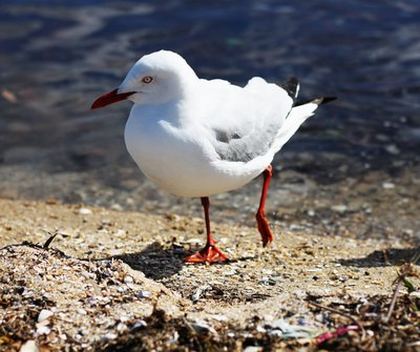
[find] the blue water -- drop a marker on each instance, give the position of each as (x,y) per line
(57,56)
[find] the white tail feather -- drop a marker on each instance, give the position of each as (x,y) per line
(294,120)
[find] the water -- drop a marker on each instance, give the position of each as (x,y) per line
(56,57)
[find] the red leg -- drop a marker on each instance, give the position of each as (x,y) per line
(262,222)
(210,253)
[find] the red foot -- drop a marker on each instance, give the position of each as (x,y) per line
(264,229)
(209,254)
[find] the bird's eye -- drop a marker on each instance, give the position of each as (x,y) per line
(147,79)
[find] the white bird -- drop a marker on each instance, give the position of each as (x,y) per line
(195,137)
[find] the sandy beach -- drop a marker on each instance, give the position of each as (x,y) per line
(109,272)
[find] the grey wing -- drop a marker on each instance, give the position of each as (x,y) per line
(253,134)
(237,146)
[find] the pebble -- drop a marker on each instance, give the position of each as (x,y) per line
(300,294)
(253,349)
(202,327)
(144,294)
(120,233)
(311,213)
(110,336)
(392,149)
(85,211)
(267,281)
(408,232)
(388,185)
(295,227)
(314,270)
(139,324)
(260,329)
(43,330)
(117,207)
(340,208)
(193,240)
(9,96)
(81,311)
(343,278)
(415,294)
(197,294)
(121,327)
(124,318)
(368,210)
(230,272)
(29,346)
(128,280)
(220,317)
(44,314)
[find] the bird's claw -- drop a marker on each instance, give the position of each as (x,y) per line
(209,254)
(264,229)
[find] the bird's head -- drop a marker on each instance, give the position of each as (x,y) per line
(156,78)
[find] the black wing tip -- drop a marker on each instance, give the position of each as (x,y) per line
(291,87)
(318,101)
(325,100)
(293,80)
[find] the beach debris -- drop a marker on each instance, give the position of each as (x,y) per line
(78,302)
(44,286)
(198,292)
(283,328)
(329,335)
(339,312)
(49,240)
(405,271)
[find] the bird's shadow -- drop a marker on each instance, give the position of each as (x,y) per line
(155,261)
(381,258)
(158,262)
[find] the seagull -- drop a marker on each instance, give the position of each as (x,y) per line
(195,137)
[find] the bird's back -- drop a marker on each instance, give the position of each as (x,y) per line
(243,122)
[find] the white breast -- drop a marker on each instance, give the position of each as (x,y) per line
(179,160)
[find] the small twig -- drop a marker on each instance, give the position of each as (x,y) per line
(394,299)
(193,332)
(49,240)
(344,314)
(52,236)
(415,257)
(386,258)
(407,269)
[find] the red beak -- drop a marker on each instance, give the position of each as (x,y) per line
(110,98)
